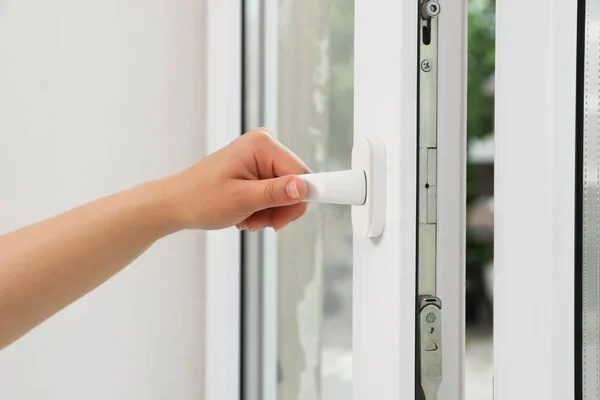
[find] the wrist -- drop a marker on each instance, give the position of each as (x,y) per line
(161,209)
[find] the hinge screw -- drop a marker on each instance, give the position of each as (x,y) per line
(426,65)
(430,9)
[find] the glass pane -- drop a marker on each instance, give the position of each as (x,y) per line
(480,195)
(314,255)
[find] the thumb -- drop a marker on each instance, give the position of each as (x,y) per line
(277,192)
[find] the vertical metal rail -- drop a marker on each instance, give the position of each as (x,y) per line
(252,242)
(429,321)
(590,283)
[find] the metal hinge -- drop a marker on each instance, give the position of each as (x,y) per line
(430,346)
(429,329)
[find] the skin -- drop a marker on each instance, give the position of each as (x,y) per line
(252,184)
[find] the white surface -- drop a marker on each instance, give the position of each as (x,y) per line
(384,268)
(363,187)
(384,280)
(534,211)
(223,258)
(451,190)
(96,97)
(369,155)
(339,187)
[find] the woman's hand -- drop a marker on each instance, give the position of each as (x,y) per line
(251,183)
(44,267)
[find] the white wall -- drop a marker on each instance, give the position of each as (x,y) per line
(96,96)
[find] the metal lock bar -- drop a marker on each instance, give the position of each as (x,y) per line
(429,313)
(430,346)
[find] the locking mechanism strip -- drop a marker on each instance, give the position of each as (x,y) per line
(429,312)
(428,154)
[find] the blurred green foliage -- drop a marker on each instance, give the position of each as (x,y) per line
(481,61)
(480,121)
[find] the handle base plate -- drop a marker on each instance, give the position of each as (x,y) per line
(368,155)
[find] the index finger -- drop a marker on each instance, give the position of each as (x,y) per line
(274,159)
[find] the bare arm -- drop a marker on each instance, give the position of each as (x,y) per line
(46,266)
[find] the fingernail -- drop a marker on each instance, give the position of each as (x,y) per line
(292,190)
(242,226)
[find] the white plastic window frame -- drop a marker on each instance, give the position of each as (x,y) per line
(259,329)
(222,347)
(384,282)
(535,132)
(384,269)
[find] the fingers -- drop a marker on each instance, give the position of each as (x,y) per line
(257,221)
(284,215)
(275,192)
(274,198)
(277,218)
(273,159)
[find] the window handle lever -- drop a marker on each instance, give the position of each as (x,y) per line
(363,187)
(340,187)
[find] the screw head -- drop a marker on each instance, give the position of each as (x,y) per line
(431,9)
(426,65)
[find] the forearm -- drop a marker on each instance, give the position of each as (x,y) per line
(46,266)
(251,183)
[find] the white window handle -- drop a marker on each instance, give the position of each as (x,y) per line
(362,187)
(340,187)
